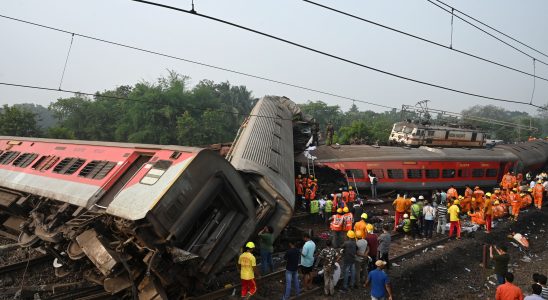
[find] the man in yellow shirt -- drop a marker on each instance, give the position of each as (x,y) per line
(454,211)
(247,266)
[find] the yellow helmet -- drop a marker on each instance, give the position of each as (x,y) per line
(530,190)
(456,202)
(364,216)
(473,199)
(369,228)
(351,234)
(339,210)
(461,197)
(488,194)
(497,202)
(315,179)
(345,209)
(514,190)
(250,245)
(349,187)
(522,194)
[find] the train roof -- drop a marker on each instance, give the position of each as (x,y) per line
(386,153)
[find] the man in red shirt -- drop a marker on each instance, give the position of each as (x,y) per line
(508,291)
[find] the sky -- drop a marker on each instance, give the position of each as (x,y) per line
(36,56)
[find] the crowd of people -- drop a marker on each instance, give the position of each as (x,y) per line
(359,257)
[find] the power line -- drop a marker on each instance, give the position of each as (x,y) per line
(488,33)
(334,56)
(494,29)
(197,62)
(425,39)
(97,95)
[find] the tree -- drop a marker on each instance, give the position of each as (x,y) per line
(18,122)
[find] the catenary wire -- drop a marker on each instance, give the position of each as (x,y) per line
(97,95)
(492,28)
(484,31)
(66,61)
(425,39)
(198,63)
(335,56)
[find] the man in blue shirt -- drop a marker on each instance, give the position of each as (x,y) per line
(307,261)
(380,283)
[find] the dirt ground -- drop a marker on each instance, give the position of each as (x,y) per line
(454,271)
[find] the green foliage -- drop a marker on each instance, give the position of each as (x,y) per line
(18,122)
(168,111)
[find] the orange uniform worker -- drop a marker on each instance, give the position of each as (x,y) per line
(400,207)
(477,217)
(299,186)
(348,219)
(479,194)
(452,192)
(351,195)
(515,201)
(247,266)
(467,200)
(507,181)
(361,226)
(336,225)
(345,196)
(538,192)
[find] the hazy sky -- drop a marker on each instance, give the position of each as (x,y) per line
(35,56)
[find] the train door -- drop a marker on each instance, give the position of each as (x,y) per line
(126,176)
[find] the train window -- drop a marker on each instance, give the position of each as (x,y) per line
(45,162)
(491,173)
(8,157)
(395,173)
(354,173)
(463,173)
(414,173)
(430,132)
(25,159)
(97,169)
(478,172)
(432,173)
(448,173)
(157,170)
(68,165)
(378,172)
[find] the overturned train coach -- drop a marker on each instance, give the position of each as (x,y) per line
(155,220)
(426,168)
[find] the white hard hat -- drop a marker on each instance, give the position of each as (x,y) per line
(421,197)
(413,199)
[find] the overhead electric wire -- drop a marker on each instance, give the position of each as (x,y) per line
(492,28)
(424,39)
(486,32)
(334,56)
(198,63)
(98,95)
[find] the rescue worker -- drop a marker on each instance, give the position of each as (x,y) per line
(400,207)
(467,200)
(299,191)
(538,193)
(507,182)
(351,194)
(345,196)
(307,198)
(247,265)
(454,219)
(414,217)
(452,191)
(405,226)
(478,194)
(313,188)
(488,212)
(315,210)
(336,226)
(527,200)
(348,219)
(328,209)
(515,202)
(477,217)
(361,226)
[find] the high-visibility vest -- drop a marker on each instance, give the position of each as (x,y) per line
(337,223)
(314,206)
(415,211)
(328,206)
(348,221)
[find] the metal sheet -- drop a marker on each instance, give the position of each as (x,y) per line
(102,257)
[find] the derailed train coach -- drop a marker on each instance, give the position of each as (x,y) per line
(152,220)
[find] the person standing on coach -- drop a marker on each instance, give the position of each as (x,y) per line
(374,180)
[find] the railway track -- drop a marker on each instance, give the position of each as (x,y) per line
(23,264)
(278,275)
